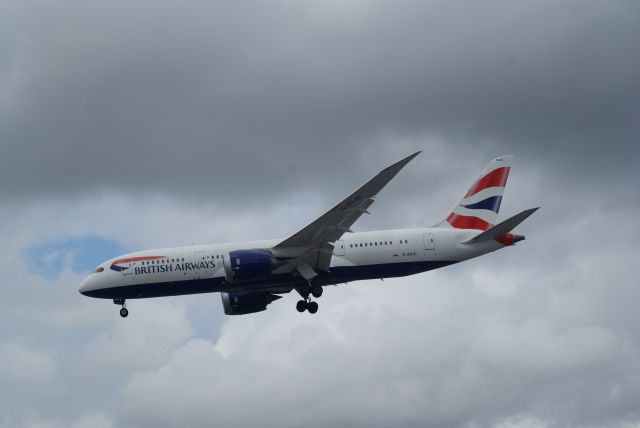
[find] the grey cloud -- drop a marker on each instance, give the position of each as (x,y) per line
(212,97)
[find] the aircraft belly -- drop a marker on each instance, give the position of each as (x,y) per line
(336,275)
(158,289)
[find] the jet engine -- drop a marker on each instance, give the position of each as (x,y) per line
(246,303)
(248,265)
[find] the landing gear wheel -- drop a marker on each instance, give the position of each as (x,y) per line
(122,302)
(316,291)
(312,307)
(301,306)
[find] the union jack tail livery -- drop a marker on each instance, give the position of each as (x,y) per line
(478,208)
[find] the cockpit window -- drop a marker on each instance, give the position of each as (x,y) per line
(100,269)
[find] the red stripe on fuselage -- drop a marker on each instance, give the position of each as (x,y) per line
(467,222)
(496,178)
(137,259)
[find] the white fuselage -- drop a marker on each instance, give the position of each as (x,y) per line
(358,256)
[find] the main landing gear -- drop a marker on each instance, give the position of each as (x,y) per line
(306,304)
(316,291)
(124,312)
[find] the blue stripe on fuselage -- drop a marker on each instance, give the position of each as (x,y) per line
(337,275)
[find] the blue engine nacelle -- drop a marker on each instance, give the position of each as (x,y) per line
(248,265)
(246,303)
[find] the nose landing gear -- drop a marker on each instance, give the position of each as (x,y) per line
(124,312)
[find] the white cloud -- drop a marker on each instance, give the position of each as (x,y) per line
(407,352)
(145,339)
(22,364)
(94,420)
(522,422)
(510,334)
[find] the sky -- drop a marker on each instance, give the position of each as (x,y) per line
(128,125)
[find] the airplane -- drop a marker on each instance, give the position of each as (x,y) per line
(251,275)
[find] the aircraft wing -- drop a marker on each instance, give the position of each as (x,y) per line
(312,244)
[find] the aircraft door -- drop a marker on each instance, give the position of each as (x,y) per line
(338,248)
(429,241)
(127,268)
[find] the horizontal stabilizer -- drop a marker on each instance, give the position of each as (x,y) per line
(502,228)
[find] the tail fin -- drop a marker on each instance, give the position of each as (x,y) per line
(478,208)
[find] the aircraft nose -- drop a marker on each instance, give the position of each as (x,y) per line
(84,287)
